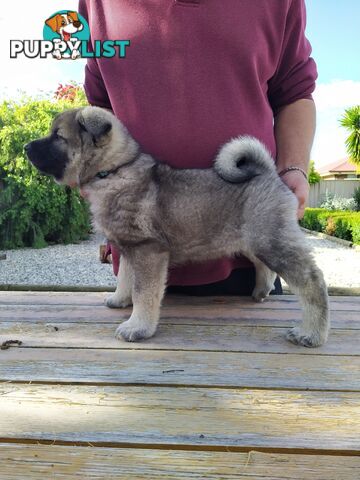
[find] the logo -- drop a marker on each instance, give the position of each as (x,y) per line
(66,35)
(66,30)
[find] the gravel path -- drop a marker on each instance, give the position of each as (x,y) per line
(75,264)
(79,265)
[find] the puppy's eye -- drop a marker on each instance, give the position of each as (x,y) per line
(63,22)
(58,136)
(102,174)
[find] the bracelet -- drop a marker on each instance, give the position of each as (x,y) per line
(289,169)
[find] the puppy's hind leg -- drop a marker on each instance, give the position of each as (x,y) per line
(294,263)
(125,279)
(313,297)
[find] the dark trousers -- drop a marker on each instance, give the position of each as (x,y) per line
(240,282)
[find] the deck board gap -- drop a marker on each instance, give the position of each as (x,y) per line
(172,385)
(184,447)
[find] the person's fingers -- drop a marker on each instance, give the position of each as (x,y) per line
(301,211)
(300,187)
(301,194)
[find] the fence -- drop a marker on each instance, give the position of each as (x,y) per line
(340,188)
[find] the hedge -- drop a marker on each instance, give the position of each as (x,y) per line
(339,224)
(34,210)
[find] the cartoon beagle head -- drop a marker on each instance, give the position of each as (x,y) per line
(65,24)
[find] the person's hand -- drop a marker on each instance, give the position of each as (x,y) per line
(298,184)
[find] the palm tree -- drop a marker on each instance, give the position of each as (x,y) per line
(351,121)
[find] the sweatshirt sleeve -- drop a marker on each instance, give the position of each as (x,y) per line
(94,85)
(296,72)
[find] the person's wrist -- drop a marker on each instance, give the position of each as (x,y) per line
(292,168)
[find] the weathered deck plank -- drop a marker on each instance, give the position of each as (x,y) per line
(227,338)
(97,298)
(182,416)
(181,315)
(54,461)
(169,367)
(219,375)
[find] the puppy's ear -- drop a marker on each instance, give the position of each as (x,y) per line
(73,16)
(94,121)
(52,22)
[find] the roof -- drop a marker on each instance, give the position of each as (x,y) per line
(339,166)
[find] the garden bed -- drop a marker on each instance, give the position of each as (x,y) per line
(336,223)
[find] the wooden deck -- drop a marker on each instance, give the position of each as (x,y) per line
(217,394)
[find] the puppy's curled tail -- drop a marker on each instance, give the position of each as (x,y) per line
(242,159)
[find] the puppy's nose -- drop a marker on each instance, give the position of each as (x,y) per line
(76,24)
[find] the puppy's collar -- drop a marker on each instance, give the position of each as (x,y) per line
(105,173)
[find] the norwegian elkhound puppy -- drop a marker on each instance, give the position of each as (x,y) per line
(158,215)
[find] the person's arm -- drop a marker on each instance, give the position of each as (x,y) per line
(290,97)
(294,133)
(94,85)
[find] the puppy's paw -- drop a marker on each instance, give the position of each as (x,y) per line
(75,54)
(259,294)
(114,301)
(307,339)
(134,330)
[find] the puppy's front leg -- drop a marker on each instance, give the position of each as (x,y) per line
(150,272)
(265,279)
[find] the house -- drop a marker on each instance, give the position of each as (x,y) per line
(341,169)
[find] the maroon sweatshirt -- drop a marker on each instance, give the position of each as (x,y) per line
(196,74)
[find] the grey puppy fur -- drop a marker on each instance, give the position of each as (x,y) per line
(160,216)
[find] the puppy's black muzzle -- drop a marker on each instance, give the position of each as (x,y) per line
(36,153)
(46,157)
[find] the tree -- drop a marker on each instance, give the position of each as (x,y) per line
(35,210)
(351,121)
(313,175)
(72,92)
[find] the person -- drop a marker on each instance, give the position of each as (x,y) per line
(196,74)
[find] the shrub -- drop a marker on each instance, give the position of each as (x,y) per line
(333,202)
(357,198)
(317,218)
(348,228)
(71,92)
(330,228)
(345,225)
(34,210)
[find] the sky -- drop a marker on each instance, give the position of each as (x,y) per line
(333,31)
(332,28)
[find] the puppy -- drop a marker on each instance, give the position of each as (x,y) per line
(160,216)
(65,25)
